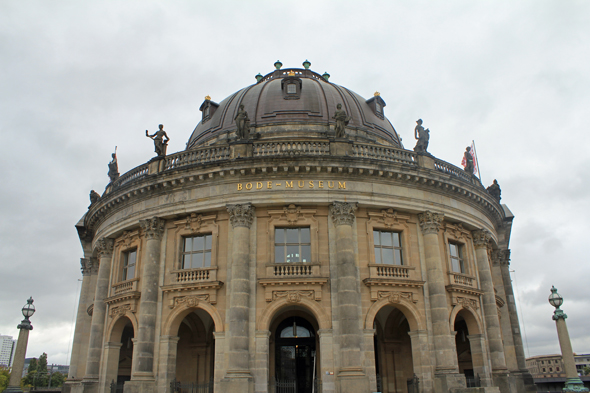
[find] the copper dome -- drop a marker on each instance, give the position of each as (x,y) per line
(291,103)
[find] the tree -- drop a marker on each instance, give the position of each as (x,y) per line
(4,378)
(57,379)
(586,370)
(37,373)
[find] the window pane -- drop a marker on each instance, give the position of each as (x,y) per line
(188,244)
(455,265)
(453,250)
(462,266)
(208,259)
(387,256)
(376,238)
(293,254)
(208,239)
(198,243)
(279,254)
(186,261)
(291,88)
(305,235)
(132,257)
(279,236)
(386,239)
(377,255)
(305,253)
(292,235)
(197,260)
(130,272)
(302,332)
(398,257)
(396,241)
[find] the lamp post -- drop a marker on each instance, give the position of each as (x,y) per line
(21,348)
(573,383)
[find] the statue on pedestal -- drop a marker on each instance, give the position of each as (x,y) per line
(113,167)
(342,120)
(423,136)
(468,161)
(243,124)
(160,144)
(494,190)
(94,197)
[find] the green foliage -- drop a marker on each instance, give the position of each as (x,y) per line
(37,375)
(57,379)
(586,370)
(4,378)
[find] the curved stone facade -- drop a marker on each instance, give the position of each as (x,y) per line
(337,264)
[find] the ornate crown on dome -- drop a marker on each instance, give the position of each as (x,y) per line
(294,103)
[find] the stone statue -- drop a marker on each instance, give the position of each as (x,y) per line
(243,123)
(94,197)
(114,167)
(468,158)
(159,143)
(342,120)
(494,190)
(423,136)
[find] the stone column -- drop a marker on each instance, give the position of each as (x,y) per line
(351,376)
(104,249)
(369,350)
(220,359)
(421,358)
(238,377)
(167,363)
(143,357)
(325,337)
(447,370)
(573,383)
(481,241)
(479,358)
(261,370)
(83,320)
(110,364)
(18,364)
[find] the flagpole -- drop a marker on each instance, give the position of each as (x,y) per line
(476,160)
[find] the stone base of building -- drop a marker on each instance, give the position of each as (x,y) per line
(488,389)
(503,381)
(140,386)
(72,386)
(237,382)
(524,381)
(352,381)
(448,382)
(89,386)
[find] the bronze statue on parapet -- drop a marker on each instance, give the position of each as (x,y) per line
(113,167)
(243,124)
(422,136)
(494,190)
(468,159)
(342,120)
(160,144)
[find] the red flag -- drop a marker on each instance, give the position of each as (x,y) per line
(472,152)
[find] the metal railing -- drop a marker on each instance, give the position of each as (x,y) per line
(473,381)
(191,387)
(117,387)
(283,386)
(413,384)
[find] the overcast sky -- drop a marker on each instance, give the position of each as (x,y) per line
(78,78)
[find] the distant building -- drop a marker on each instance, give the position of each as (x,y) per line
(549,374)
(7,347)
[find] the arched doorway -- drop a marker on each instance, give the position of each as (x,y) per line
(125,354)
(393,351)
(294,353)
(195,352)
(463,345)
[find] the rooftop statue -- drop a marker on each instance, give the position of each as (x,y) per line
(114,167)
(159,143)
(94,197)
(423,136)
(494,190)
(243,123)
(342,120)
(468,158)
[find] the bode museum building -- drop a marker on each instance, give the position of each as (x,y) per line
(296,246)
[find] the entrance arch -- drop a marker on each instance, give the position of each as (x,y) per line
(195,350)
(294,356)
(470,344)
(119,350)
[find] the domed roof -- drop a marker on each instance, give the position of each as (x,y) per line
(293,103)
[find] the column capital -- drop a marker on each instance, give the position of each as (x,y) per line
(343,213)
(86,266)
(430,222)
(501,257)
(241,215)
(153,228)
(559,314)
(104,247)
(481,238)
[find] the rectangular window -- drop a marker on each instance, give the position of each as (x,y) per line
(388,249)
(291,88)
(129,259)
(197,252)
(292,245)
(457,264)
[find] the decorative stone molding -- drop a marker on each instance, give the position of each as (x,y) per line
(430,222)
(467,302)
(293,296)
(127,238)
(396,296)
(499,302)
(343,213)
(153,228)
(388,218)
(457,232)
(121,310)
(201,290)
(292,213)
(501,257)
(194,222)
(241,215)
(90,309)
(86,266)
(104,247)
(188,301)
(295,217)
(481,238)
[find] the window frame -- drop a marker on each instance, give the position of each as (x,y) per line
(292,216)
(460,247)
(202,252)
(286,244)
(191,226)
(124,264)
(456,234)
(388,220)
(393,248)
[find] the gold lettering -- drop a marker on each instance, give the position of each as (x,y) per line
(278,184)
(300,183)
(320,184)
(248,186)
(289,184)
(269,184)
(239,186)
(258,185)
(341,185)
(330,185)
(311,184)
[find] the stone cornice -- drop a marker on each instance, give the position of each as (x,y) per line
(104,247)
(153,228)
(391,282)
(343,213)
(430,222)
(481,238)
(241,215)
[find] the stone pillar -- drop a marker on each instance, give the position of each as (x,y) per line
(104,249)
(351,376)
(573,383)
(479,358)
(220,359)
(421,358)
(238,377)
(481,241)
(83,320)
(167,363)
(261,369)
(447,370)
(369,350)
(327,360)
(110,364)
(18,364)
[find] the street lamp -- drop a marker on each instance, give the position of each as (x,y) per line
(573,383)
(21,348)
